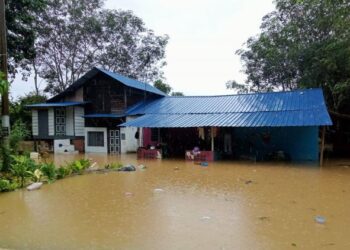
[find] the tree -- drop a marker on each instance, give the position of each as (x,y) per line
(177,94)
(166,88)
(74,36)
(20,18)
(303,43)
(241,88)
(19,112)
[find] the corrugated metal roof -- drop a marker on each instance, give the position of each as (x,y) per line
(55,104)
(293,108)
(124,80)
(133,83)
(103,116)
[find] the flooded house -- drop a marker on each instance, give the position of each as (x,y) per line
(257,126)
(86,116)
(109,113)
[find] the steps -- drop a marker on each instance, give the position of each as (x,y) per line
(64,147)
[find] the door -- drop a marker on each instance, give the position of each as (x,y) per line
(60,121)
(43,119)
(114,141)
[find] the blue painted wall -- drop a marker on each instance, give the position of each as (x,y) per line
(300,143)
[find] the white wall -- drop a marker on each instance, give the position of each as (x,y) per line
(51,121)
(70,121)
(35,126)
(79,121)
(89,149)
(130,144)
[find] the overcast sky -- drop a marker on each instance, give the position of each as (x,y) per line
(204,35)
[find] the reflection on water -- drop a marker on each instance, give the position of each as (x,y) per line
(224,206)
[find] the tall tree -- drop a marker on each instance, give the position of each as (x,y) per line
(75,35)
(303,43)
(20,19)
(166,88)
(177,93)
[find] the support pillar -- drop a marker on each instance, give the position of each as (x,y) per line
(322,145)
(212,138)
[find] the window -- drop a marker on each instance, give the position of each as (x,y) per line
(95,139)
(154,134)
(60,121)
(122,136)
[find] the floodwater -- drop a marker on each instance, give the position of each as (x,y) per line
(175,204)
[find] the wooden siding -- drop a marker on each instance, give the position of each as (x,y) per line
(108,96)
(78,96)
(79,121)
(70,121)
(35,128)
(51,121)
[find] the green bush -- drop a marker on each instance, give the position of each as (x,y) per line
(85,163)
(113,166)
(49,170)
(6,185)
(22,168)
(78,166)
(18,133)
(62,172)
(5,155)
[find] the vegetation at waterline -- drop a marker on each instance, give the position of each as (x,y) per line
(114,166)
(17,169)
(24,171)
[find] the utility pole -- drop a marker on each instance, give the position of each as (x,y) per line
(3,67)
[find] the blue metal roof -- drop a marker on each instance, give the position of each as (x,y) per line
(55,104)
(103,116)
(294,108)
(122,79)
(133,83)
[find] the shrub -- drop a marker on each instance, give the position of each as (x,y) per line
(22,167)
(18,133)
(6,185)
(85,163)
(5,155)
(113,166)
(49,170)
(79,166)
(62,172)
(36,176)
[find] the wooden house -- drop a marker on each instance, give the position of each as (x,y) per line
(87,115)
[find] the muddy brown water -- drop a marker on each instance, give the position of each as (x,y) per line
(175,204)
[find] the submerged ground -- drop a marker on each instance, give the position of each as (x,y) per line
(175,204)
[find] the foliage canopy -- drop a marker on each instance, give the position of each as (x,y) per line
(303,44)
(74,36)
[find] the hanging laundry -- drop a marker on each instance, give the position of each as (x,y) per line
(201,133)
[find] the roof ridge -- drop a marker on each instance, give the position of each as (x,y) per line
(240,112)
(129,78)
(251,93)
